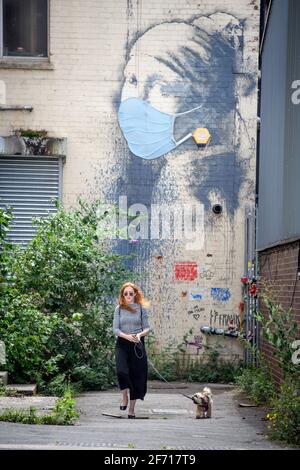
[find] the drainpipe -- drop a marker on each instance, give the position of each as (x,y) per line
(265,11)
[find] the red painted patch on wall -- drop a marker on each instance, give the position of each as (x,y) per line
(186,271)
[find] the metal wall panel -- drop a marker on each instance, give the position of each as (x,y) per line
(291,176)
(273,97)
(27,184)
(279,167)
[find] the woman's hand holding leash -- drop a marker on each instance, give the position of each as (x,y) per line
(133,338)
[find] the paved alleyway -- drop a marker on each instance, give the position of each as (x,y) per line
(171,424)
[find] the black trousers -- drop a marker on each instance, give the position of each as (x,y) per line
(132,371)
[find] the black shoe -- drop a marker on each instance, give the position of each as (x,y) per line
(123,407)
(131,416)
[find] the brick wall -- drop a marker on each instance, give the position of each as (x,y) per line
(280,265)
(176,55)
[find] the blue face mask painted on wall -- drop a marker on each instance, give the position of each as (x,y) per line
(148,131)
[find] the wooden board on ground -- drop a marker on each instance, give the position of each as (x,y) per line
(248,405)
(112,415)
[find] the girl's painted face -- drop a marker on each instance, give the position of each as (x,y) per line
(128,295)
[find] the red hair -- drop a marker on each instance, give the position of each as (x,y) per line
(139,297)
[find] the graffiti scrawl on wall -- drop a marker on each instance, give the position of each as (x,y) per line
(197,342)
(222,319)
(196,311)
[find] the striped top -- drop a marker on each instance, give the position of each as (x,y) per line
(128,322)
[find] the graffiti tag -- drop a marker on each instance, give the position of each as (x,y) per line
(197,343)
(196,311)
(222,319)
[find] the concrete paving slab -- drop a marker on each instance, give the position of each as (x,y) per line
(24,389)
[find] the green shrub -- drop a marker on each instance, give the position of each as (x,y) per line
(163,360)
(26,331)
(179,365)
(279,328)
(31,133)
(6,391)
(19,416)
(285,415)
(6,248)
(64,413)
(59,385)
(99,377)
(68,263)
(211,369)
(58,301)
(257,383)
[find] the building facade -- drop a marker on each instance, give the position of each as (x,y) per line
(278,221)
(102,63)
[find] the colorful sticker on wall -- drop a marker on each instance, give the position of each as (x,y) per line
(220,293)
(186,271)
(198,294)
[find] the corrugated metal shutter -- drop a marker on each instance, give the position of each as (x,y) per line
(27,184)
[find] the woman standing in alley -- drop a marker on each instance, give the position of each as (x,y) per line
(130,326)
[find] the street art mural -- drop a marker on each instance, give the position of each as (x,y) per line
(179,75)
(172,68)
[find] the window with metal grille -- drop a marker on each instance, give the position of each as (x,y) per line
(30,185)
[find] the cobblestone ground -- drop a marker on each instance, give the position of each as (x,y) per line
(170,423)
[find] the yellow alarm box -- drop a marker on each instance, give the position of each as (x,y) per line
(201,136)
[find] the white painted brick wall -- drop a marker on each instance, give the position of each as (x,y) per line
(75,100)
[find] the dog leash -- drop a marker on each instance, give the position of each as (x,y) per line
(140,346)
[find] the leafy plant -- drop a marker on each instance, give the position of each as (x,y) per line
(59,385)
(56,311)
(212,369)
(64,413)
(177,364)
(284,418)
(26,331)
(68,264)
(31,133)
(279,328)
(130,445)
(6,391)
(6,248)
(257,383)
(19,416)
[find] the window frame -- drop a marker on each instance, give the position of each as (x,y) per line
(4,58)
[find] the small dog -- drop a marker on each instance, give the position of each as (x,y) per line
(203,401)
